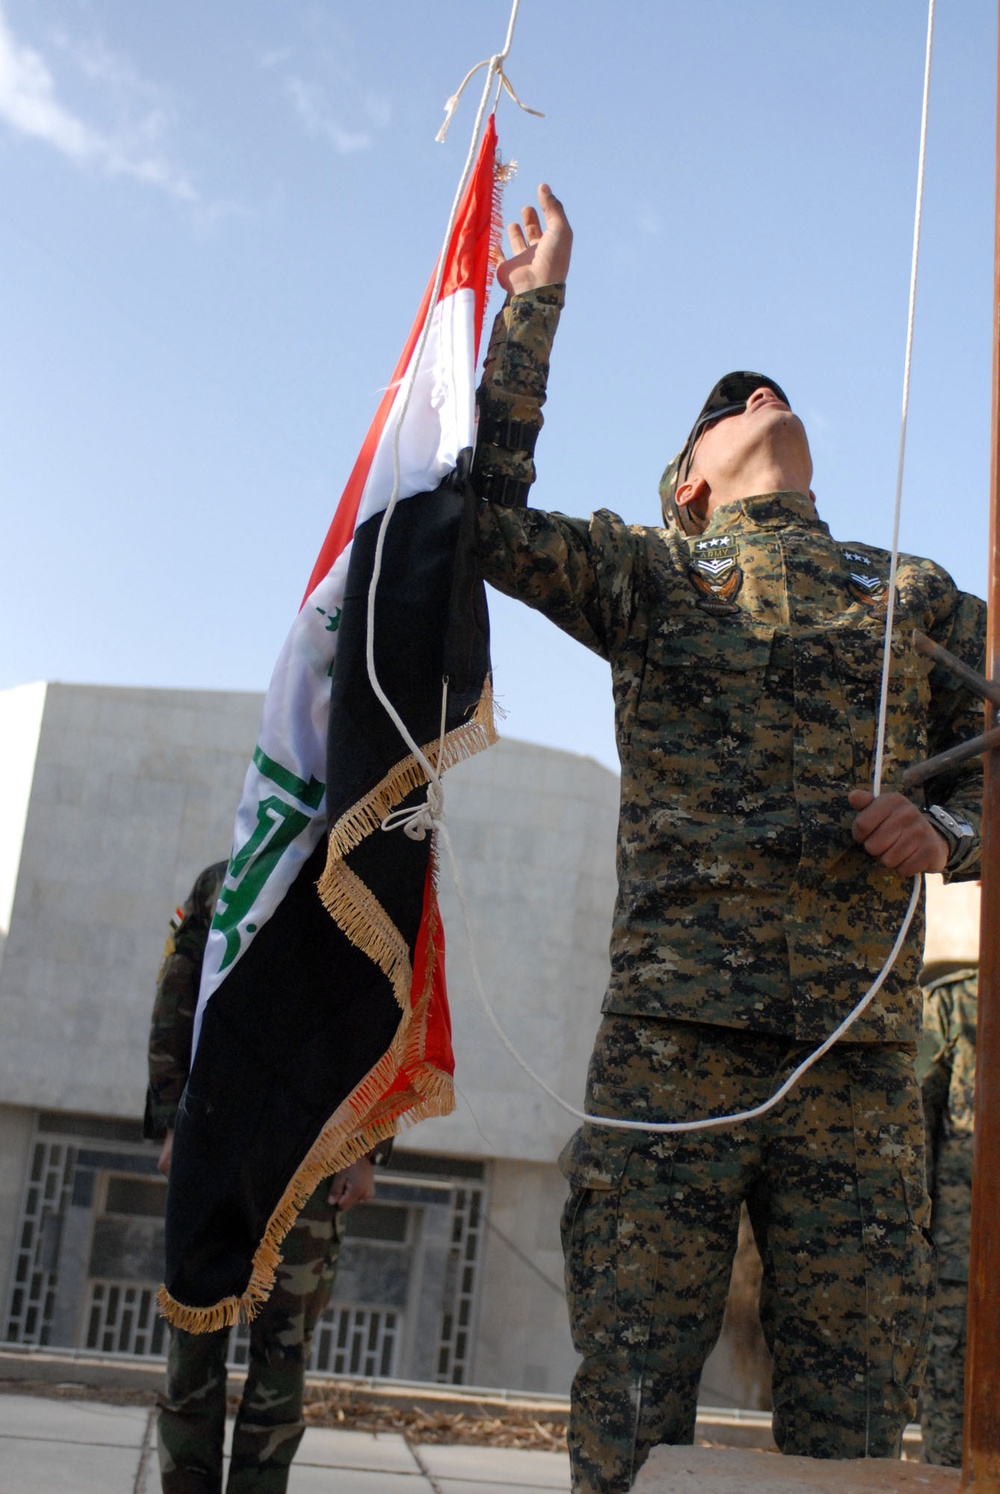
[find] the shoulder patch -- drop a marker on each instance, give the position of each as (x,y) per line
(864,584)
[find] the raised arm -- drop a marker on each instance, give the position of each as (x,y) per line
(174,1006)
(517,362)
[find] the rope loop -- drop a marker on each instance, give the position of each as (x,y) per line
(495,65)
(416,819)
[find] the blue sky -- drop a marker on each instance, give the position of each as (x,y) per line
(217,222)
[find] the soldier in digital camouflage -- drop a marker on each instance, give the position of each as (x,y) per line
(192,1410)
(760,890)
(948,1065)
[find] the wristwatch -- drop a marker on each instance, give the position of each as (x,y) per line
(957,832)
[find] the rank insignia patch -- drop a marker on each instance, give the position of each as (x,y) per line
(864,585)
(716,575)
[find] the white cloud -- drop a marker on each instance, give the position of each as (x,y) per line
(29,106)
(379,110)
(276,57)
(312,105)
(649,220)
(320,77)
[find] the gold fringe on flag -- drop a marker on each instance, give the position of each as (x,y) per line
(375,1108)
(344,895)
(370,1114)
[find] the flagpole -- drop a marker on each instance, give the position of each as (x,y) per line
(981,1446)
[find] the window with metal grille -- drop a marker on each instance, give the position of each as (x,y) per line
(348,1341)
(33,1287)
(454,1351)
(356,1341)
(86,1175)
(123,1319)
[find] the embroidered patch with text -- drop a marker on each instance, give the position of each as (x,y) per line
(716,575)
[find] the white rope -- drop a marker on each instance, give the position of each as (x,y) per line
(917,219)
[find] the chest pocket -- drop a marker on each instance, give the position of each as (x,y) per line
(857,663)
(697,710)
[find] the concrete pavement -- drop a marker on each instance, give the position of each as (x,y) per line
(50,1445)
(54,1446)
(723,1470)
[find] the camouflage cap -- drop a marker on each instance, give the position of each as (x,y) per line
(729,397)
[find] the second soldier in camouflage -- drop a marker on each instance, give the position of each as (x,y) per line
(269,1424)
(948,1087)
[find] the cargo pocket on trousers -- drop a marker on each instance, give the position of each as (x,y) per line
(611,1238)
(592,1162)
(911,1324)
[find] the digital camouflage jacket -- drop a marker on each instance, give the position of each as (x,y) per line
(745,668)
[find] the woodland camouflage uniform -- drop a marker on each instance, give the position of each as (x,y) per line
(745,669)
(176,999)
(192,1414)
(948,1087)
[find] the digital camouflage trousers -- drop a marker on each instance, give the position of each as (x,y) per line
(269,1425)
(833,1179)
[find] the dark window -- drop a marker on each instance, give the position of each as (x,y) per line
(434,1166)
(376,1222)
(94,1127)
(136,1196)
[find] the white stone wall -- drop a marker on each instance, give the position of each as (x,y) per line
(20,725)
(133,792)
(522,1339)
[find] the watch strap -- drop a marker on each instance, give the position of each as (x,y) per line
(957,832)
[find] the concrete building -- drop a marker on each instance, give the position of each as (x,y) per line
(116,798)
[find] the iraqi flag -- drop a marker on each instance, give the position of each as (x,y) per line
(322,1022)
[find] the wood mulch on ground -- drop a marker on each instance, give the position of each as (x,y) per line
(490,1425)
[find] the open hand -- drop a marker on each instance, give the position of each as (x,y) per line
(892,829)
(538,256)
